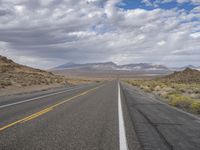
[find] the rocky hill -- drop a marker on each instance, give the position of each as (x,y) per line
(13,74)
(186,76)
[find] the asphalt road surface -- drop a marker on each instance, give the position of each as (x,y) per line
(105,116)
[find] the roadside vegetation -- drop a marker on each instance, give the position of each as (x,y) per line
(184,94)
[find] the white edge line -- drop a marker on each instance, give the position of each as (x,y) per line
(31,99)
(122,133)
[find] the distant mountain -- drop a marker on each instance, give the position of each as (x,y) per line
(186,76)
(143,66)
(184,67)
(13,74)
(110,68)
(103,66)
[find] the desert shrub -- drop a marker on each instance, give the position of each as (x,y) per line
(162,85)
(145,88)
(174,92)
(157,88)
(23,84)
(29,84)
(195,107)
(5,83)
(182,90)
(196,90)
(180,101)
(4,69)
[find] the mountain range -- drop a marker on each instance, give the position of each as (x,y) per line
(109,69)
(112,66)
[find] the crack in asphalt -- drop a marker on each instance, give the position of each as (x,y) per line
(154,125)
(165,141)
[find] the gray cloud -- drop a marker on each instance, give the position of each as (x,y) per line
(51,32)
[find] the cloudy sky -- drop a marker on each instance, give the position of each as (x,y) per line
(46,33)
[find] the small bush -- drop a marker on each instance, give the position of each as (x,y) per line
(180,101)
(23,84)
(145,88)
(195,107)
(196,91)
(5,83)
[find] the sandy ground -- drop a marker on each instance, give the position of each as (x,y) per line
(16,90)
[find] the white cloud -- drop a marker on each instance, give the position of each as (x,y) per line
(195,35)
(50,32)
(82,34)
(161,43)
(190,1)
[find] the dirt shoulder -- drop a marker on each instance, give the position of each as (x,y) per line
(23,90)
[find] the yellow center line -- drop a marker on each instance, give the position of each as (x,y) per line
(36,115)
(44,111)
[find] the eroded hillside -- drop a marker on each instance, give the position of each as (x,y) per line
(13,74)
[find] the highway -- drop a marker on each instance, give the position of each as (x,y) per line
(105,116)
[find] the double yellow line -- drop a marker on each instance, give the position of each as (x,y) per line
(44,111)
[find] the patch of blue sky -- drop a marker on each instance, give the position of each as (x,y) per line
(101,29)
(133,4)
